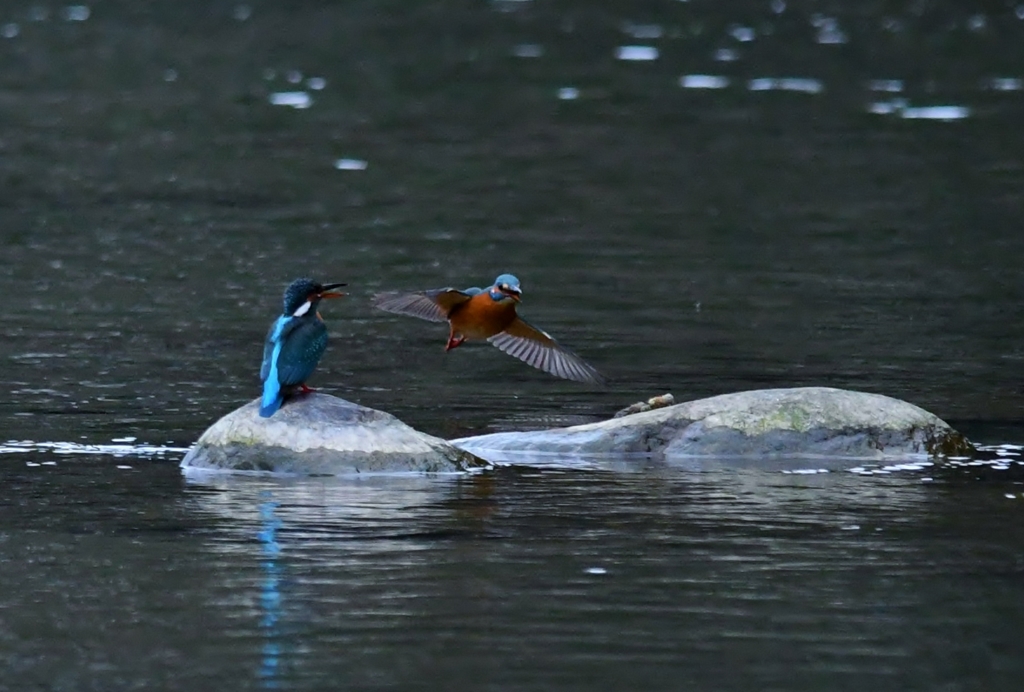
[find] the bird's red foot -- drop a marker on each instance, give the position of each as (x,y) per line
(304,389)
(454,342)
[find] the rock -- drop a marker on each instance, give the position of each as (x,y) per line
(319,434)
(806,421)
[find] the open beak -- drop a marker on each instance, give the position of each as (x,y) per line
(328,293)
(513,293)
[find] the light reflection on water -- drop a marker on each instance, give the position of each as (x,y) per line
(797,84)
(601,580)
(159,202)
(270,599)
(674,573)
(113,450)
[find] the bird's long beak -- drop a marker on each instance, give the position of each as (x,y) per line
(514,293)
(328,293)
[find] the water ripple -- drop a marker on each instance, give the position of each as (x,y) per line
(115,450)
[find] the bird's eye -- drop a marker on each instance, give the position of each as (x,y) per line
(503,287)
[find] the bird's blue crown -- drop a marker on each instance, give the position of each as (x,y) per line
(503,284)
(507,279)
(297,293)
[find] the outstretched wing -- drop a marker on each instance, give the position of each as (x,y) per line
(535,347)
(433,305)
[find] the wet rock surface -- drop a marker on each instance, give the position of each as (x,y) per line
(319,434)
(805,421)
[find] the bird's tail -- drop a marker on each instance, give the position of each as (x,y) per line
(272,398)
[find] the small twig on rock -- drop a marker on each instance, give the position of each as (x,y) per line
(649,405)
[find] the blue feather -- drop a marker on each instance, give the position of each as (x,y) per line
(272,397)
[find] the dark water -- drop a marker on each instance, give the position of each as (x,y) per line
(782,230)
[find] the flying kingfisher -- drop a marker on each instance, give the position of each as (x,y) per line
(295,342)
(477,313)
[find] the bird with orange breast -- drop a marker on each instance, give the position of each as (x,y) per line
(490,314)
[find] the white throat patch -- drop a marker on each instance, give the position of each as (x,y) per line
(303,309)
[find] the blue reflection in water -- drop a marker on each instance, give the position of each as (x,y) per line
(270,594)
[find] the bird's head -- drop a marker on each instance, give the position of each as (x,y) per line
(506,287)
(302,295)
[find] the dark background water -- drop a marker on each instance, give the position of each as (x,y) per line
(154,203)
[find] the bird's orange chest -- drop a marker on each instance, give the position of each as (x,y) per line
(480,317)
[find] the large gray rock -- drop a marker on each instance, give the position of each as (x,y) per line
(319,434)
(806,421)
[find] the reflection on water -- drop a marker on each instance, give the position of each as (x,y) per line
(350,165)
(685,231)
(703,81)
(163,206)
(123,449)
(935,113)
(270,598)
(1006,84)
(295,99)
(731,578)
(636,53)
(798,84)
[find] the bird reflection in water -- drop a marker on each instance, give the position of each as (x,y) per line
(270,594)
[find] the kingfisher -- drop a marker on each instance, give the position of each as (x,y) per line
(295,342)
(490,313)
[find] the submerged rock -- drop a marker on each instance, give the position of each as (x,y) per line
(805,421)
(319,434)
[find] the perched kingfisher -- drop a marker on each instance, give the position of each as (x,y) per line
(477,313)
(295,342)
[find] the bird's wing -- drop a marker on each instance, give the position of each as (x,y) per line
(433,305)
(535,347)
(270,372)
(279,329)
(301,350)
(268,353)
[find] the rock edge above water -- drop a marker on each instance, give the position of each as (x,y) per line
(320,434)
(804,421)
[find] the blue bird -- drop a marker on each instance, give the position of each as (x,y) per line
(295,343)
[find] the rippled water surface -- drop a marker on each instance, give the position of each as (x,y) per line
(699,197)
